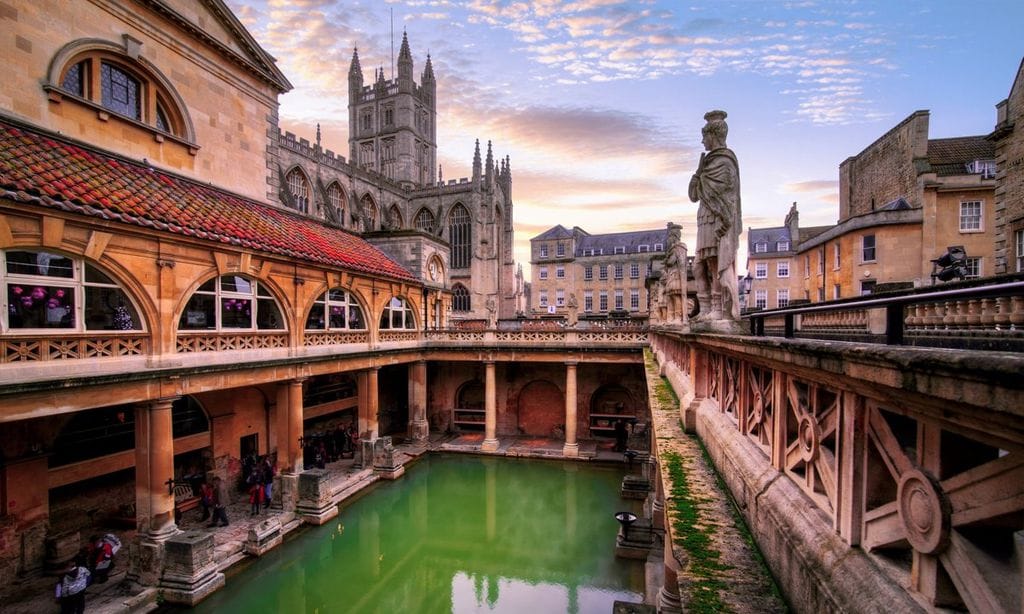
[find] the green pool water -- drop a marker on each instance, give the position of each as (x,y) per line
(455,534)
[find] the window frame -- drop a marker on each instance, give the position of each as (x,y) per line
(162,111)
(542,273)
(782,297)
(462,300)
(864,248)
(976,221)
(393,306)
(761,298)
(760,270)
(460,236)
(1019,241)
(226,301)
(973,266)
(782,269)
(602,300)
(73,293)
(349,303)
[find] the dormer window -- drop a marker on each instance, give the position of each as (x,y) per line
(760,247)
(985,168)
(621,249)
(782,246)
(640,249)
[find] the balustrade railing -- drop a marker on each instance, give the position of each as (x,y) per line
(69,346)
(937,494)
(218,342)
(971,316)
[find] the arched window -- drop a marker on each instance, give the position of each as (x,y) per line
(45,290)
(424,220)
(395,221)
(460,237)
(369,213)
(460,298)
(298,187)
(231,302)
(397,315)
(100,74)
(336,199)
(336,309)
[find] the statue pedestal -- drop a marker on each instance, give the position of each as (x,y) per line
(190,570)
(718,327)
(315,505)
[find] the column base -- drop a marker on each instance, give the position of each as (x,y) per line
(489,445)
(572,450)
(419,430)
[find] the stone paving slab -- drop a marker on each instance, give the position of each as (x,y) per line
(745,584)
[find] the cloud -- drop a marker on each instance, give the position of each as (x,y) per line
(811,186)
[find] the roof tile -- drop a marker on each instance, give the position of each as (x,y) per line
(61,175)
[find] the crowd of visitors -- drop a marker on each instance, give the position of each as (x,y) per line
(328,446)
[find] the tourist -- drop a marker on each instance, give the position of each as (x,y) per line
(205,499)
(255,493)
(220,502)
(70,590)
(101,551)
(267,468)
(620,435)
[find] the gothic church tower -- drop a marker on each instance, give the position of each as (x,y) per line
(392,123)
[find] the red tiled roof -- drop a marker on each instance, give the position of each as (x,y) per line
(57,174)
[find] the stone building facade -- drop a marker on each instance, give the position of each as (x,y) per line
(903,201)
(165,313)
(1008,138)
(605,273)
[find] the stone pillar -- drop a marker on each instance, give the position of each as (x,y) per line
(294,426)
(154,466)
(368,424)
(571,447)
(419,430)
(282,425)
(490,443)
(669,600)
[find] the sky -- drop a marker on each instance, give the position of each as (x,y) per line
(599,103)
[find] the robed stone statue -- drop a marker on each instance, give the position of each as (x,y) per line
(716,185)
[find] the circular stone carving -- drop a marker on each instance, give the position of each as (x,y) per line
(924,512)
(807,435)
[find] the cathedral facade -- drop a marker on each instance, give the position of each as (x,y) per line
(455,235)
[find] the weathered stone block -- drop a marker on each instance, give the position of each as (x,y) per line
(315,505)
(264,537)
(60,549)
(190,570)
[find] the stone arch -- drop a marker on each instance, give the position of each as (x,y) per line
(540,408)
(470,395)
(612,399)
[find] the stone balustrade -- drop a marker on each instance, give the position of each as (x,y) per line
(873,477)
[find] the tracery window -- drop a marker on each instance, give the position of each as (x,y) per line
(397,315)
(370,213)
(460,298)
(336,199)
(424,220)
(46,290)
(298,187)
(336,309)
(231,302)
(395,218)
(460,237)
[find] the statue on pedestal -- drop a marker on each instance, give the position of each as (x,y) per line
(716,184)
(673,281)
(573,310)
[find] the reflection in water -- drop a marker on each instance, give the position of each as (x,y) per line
(456,534)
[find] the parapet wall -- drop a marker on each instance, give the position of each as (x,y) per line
(873,478)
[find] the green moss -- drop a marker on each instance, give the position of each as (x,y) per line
(693,533)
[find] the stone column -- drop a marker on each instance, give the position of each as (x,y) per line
(571,448)
(154,466)
(419,430)
(295,429)
(490,443)
(282,425)
(369,426)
